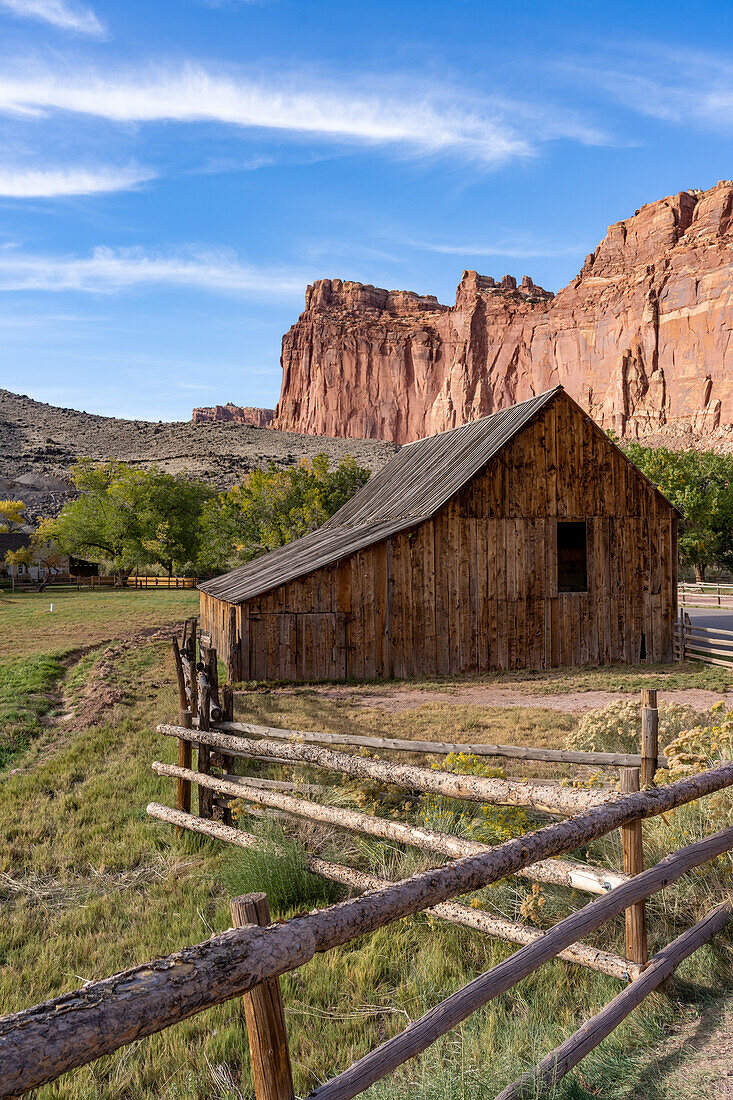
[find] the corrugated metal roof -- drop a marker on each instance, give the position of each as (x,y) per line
(412,487)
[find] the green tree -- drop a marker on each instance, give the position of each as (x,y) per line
(129,518)
(171,519)
(700,484)
(273,507)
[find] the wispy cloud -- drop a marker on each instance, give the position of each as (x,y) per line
(427,121)
(59,13)
(22,183)
(108,271)
(217,165)
(686,87)
(518,248)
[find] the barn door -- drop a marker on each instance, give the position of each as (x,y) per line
(272,646)
(321,645)
(284,645)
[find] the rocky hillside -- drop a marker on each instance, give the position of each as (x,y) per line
(39,443)
(641,338)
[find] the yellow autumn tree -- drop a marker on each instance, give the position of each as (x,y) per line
(12,515)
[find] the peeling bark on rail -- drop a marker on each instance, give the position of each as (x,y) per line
(41,1043)
(503,792)
(560,872)
(590,957)
(442,748)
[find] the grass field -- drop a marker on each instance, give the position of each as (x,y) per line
(84,618)
(90,885)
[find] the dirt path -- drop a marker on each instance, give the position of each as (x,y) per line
(90,704)
(570,702)
(696,1061)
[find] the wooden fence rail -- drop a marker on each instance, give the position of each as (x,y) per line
(552,1068)
(441,1019)
(504,792)
(579,876)
(591,957)
(710,644)
(443,748)
(703,594)
(162,582)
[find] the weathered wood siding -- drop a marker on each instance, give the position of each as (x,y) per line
(476,587)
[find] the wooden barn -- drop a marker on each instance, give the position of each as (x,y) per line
(523,540)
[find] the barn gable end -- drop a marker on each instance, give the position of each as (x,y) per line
(474,586)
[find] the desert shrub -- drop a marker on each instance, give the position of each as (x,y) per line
(695,748)
(617,727)
(467,763)
(490,824)
(446,815)
(702,745)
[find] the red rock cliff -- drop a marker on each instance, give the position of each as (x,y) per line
(641,338)
(255,418)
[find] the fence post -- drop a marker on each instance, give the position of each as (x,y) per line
(184,761)
(263,1010)
(206,795)
(228,762)
(633,851)
(649,736)
(189,633)
(185,719)
(233,661)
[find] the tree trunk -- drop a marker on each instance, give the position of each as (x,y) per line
(700,573)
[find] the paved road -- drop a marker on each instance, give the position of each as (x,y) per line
(712,617)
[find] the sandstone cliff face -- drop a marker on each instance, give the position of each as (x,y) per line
(255,418)
(641,338)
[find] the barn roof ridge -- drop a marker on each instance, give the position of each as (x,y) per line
(457,427)
(411,488)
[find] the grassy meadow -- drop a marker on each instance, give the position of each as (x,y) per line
(90,885)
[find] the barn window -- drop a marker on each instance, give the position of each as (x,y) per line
(572,557)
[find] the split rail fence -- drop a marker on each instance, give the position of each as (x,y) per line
(703,594)
(43,1042)
(710,644)
(162,582)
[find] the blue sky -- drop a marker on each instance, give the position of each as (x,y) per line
(174,172)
